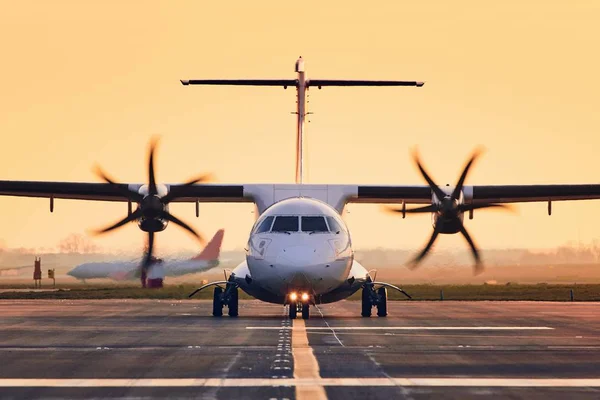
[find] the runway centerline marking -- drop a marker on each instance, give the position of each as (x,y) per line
(305,363)
(305,383)
(411,328)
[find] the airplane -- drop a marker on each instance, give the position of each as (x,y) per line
(207,259)
(299,252)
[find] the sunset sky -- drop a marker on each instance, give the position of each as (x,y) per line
(91,82)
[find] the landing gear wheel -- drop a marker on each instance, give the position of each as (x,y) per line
(305,311)
(217,305)
(366,302)
(233,303)
(382,305)
(293,310)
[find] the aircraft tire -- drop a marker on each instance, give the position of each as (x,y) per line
(217,305)
(305,311)
(293,310)
(366,303)
(233,303)
(382,305)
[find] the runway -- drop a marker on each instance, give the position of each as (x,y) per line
(158,348)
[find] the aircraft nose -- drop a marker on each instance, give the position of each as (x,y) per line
(312,268)
(297,256)
(75,272)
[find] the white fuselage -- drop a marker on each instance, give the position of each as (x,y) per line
(129,270)
(298,245)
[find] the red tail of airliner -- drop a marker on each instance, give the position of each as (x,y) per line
(213,248)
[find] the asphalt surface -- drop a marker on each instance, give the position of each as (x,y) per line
(158,349)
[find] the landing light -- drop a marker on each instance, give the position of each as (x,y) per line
(293,296)
(304,297)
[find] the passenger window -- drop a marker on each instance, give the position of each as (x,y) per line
(314,224)
(265,226)
(285,224)
(334,226)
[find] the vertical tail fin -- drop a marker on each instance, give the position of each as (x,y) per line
(300,119)
(213,248)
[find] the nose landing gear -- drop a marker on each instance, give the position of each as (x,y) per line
(301,305)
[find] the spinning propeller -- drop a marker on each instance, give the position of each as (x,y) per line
(449,210)
(152,211)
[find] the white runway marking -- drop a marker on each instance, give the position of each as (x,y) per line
(412,328)
(300,382)
(329,326)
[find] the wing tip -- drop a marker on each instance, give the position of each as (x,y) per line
(184,82)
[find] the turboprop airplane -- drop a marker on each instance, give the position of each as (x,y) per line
(299,251)
(207,259)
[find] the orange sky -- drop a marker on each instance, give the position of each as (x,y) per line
(82,84)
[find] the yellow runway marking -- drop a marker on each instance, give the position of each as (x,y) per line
(305,364)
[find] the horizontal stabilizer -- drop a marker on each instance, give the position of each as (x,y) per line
(242,82)
(340,82)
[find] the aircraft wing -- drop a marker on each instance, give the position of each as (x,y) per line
(108,192)
(475,194)
(418,194)
(64,190)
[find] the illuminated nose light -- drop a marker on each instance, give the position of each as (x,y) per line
(304,297)
(293,296)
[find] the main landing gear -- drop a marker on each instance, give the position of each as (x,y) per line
(377,298)
(299,304)
(228,298)
(371,298)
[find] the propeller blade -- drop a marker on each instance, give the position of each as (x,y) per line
(415,262)
(478,267)
(99,172)
(148,256)
(175,220)
(435,188)
(129,194)
(151,176)
(425,209)
(463,176)
(469,207)
(200,179)
(131,217)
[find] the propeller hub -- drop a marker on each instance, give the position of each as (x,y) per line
(152,206)
(449,207)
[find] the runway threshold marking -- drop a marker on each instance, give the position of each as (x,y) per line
(413,328)
(306,366)
(304,383)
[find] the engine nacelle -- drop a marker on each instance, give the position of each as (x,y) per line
(153,224)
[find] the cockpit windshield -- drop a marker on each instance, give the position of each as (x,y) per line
(314,224)
(285,224)
(334,225)
(265,225)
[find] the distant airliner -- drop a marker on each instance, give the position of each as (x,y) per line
(299,251)
(130,270)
